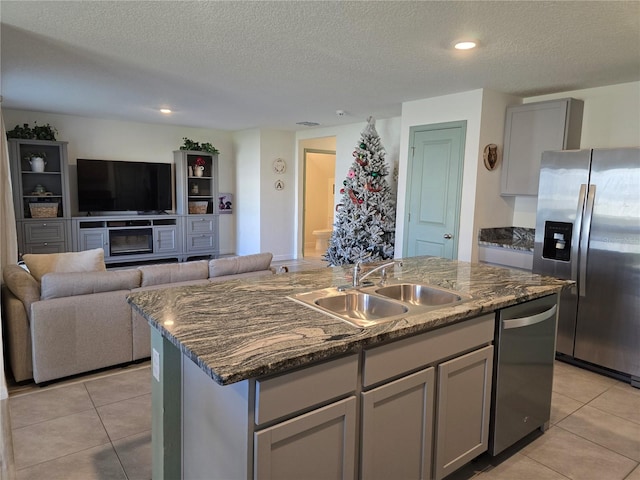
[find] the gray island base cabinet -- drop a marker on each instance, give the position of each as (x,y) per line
(269,388)
(419,410)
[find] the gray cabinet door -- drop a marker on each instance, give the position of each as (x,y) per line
(94,238)
(317,445)
(464,397)
(166,239)
(531,129)
(397,428)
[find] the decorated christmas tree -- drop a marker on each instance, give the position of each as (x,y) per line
(365,225)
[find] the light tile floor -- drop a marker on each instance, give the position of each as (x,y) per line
(92,427)
(594,434)
(98,426)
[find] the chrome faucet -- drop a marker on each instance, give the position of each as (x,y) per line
(357,270)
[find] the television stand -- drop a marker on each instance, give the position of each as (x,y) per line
(130,238)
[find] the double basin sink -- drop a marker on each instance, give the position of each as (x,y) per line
(364,307)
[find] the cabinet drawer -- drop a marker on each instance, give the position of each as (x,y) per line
(37,232)
(200,225)
(292,392)
(45,247)
(197,243)
(393,359)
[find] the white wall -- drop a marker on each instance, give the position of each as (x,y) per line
(343,139)
(277,207)
(247,195)
(491,209)
(611,119)
(462,106)
(118,140)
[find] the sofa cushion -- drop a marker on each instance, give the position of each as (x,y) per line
(40,264)
(238,276)
(240,264)
(22,285)
(174,272)
(59,285)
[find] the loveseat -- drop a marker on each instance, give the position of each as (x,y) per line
(60,322)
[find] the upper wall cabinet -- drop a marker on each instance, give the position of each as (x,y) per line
(531,129)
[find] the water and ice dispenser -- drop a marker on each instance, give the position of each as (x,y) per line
(557,241)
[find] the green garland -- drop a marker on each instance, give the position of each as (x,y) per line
(196,147)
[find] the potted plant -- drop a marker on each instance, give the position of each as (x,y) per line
(37,161)
(198,168)
(196,147)
(38,132)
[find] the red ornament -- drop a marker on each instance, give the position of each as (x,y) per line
(361,162)
(342,190)
(372,189)
(353,197)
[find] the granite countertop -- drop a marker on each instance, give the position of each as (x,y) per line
(248,328)
(514,238)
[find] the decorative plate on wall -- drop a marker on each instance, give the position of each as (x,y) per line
(490,156)
(279,185)
(279,165)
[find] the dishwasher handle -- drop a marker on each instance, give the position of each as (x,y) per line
(530,320)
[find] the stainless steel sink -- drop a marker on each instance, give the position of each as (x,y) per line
(361,308)
(416,294)
(356,307)
(367,306)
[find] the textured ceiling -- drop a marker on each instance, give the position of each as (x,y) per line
(262,64)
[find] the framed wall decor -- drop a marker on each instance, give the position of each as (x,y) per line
(225,203)
(279,166)
(490,156)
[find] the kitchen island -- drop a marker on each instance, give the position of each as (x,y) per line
(241,370)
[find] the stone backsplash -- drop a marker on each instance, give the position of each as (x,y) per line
(516,238)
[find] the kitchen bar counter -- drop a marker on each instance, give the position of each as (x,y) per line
(243,329)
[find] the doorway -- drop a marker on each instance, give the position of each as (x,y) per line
(319,193)
(434,189)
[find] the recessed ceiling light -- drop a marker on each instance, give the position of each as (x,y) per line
(166,111)
(466,45)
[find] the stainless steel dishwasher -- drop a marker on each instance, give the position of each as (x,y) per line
(523,374)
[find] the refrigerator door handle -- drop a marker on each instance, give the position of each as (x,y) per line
(575,241)
(584,240)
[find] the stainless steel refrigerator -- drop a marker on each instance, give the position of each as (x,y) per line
(588,230)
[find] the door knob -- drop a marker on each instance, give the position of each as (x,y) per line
(448,236)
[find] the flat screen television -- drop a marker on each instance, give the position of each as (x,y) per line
(120,186)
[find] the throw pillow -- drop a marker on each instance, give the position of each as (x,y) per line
(40,264)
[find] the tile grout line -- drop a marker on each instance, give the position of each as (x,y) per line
(61,456)
(597,444)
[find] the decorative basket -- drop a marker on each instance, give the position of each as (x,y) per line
(43,210)
(198,208)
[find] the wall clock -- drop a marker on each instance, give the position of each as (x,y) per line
(279,165)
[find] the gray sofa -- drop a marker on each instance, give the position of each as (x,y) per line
(75,322)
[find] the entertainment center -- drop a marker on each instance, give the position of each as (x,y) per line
(122,205)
